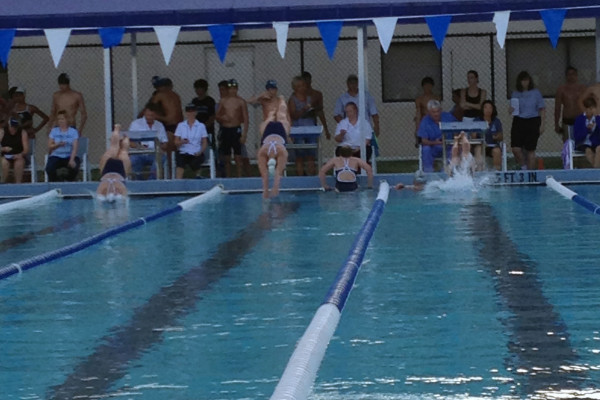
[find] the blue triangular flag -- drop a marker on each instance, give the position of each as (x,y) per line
(6,39)
(330,33)
(438,26)
(111,37)
(221,36)
(553,19)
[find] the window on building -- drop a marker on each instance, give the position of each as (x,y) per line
(546,65)
(405,65)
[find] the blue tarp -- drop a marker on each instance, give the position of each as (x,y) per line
(41,14)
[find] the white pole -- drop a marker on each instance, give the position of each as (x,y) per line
(134,77)
(360,43)
(107,97)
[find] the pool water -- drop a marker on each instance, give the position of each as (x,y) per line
(487,293)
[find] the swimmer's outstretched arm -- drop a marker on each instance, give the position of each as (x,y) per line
(327,167)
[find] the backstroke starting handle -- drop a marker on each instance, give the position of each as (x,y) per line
(301,371)
(44,258)
(571,195)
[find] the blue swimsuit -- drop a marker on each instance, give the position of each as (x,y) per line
(343,183)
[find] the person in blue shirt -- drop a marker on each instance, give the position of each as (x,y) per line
(62,146)
(493,136)
(430,134)
(586,132)
(527,121)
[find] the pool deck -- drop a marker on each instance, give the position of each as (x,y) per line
(292,183)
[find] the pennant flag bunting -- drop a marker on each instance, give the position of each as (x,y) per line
(553,19)
(221,36)
(6,40)
(501,19)
(330,33)
(281,29)
(57,41)
(111,37)
(438,26)
(385,30)
(167,37)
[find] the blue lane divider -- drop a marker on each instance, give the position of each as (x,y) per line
(344,281)
(47,257)
(571,195)
(301,371)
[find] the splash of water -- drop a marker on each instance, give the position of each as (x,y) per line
(461,183)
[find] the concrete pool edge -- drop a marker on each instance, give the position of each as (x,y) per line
(292,183)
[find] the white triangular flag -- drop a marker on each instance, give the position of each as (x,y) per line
(501,20)
(385,30)
(281,29)
(57,41)
(167,37)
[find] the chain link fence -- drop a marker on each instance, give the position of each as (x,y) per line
(252,58)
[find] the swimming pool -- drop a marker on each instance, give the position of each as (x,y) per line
(462,295)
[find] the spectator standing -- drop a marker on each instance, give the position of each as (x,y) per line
(303,113)
(421,102)
(528,120)
(25,112)
(232,115)
(69,101)
(351,95)
(316,101)
(205,109)
(472,97)
(566,104)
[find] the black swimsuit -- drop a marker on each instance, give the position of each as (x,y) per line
(274,128)
(114,165)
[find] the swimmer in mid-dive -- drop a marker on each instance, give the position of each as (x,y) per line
(462,159)
(345,168)
(115,166)
(272,155)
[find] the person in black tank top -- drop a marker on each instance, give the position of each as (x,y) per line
(472,97)
(24,112)
(14,145)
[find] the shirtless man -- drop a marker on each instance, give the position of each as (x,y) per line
(268,100)
(566,100)
(69,100)
(316,101)
(168,106)
(170,103)
(231,115)
(427,84)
